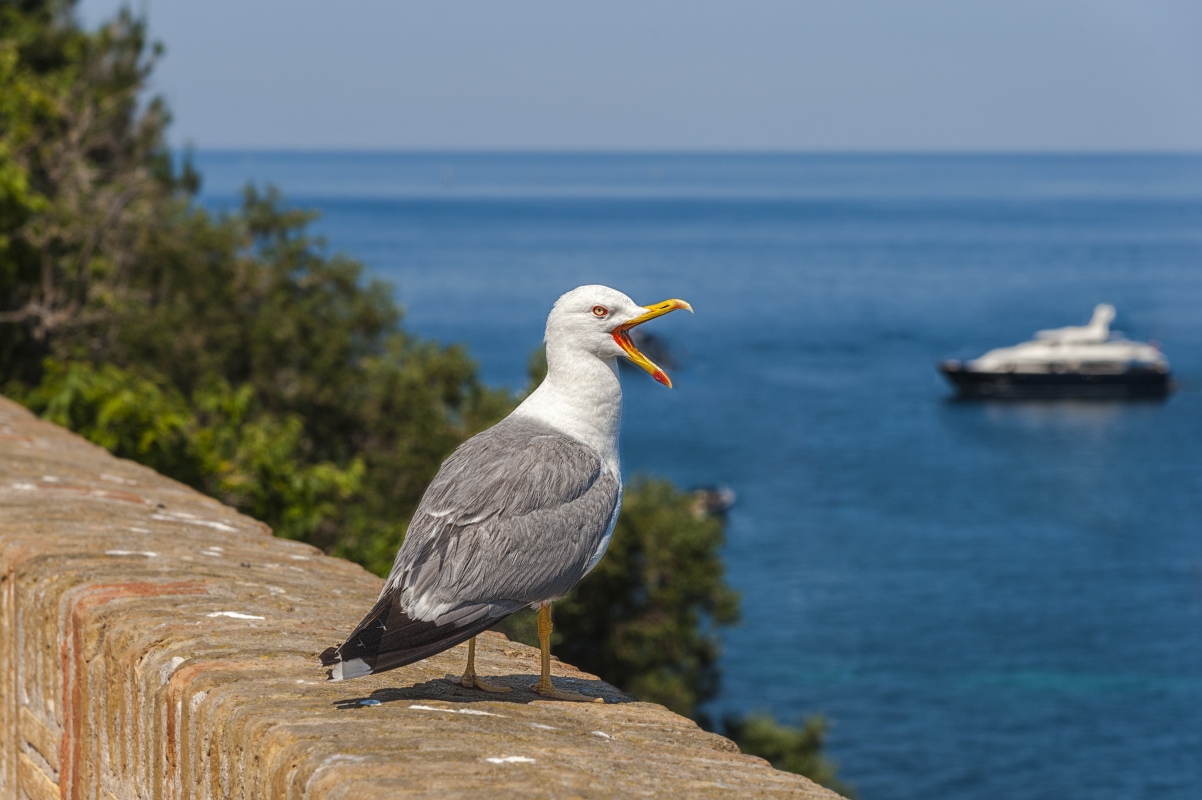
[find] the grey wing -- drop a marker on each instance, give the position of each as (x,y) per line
(514,517)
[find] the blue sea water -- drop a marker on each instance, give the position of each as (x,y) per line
(990,600)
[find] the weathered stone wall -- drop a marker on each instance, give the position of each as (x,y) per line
(157,644)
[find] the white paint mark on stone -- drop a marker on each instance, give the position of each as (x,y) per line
(50,479)
(116,479)
(146,553)
(234,614)
(210,553)
(215,547)
(140,530)
(602,734)
(276,590)
(542,727)
(189,519)
(25,487)
(510,760)
(471,711)
(300,558)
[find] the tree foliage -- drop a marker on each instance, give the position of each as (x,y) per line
(83,172)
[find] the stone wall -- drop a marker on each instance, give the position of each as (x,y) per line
(157,644)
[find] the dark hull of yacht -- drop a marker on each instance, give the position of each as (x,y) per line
(1133,383)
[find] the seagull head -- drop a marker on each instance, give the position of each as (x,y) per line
(597,320)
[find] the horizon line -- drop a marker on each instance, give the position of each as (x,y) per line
(661,152)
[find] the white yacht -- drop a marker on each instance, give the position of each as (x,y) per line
(1082,361)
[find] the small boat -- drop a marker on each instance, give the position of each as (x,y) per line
(1086,361)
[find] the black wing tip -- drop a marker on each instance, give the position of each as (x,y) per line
(396,641)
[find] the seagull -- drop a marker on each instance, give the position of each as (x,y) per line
(520,512)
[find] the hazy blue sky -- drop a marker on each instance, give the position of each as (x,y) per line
(823,75)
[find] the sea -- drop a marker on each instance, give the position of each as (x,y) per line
(995,600)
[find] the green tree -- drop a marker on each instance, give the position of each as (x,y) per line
(83,174)
(251,298)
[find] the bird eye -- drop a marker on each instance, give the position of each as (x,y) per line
(600,311)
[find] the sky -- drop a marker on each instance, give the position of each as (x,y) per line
(807,75)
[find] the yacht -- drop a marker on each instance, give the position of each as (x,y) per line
(1081,361)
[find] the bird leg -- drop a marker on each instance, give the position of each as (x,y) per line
(544,685)
(473,681)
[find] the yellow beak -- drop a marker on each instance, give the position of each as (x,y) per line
(622,337)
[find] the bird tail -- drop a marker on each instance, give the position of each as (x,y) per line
(388,638)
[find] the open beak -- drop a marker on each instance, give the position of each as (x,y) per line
(622,337)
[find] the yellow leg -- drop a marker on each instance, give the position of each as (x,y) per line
(473,681)
(544,685)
